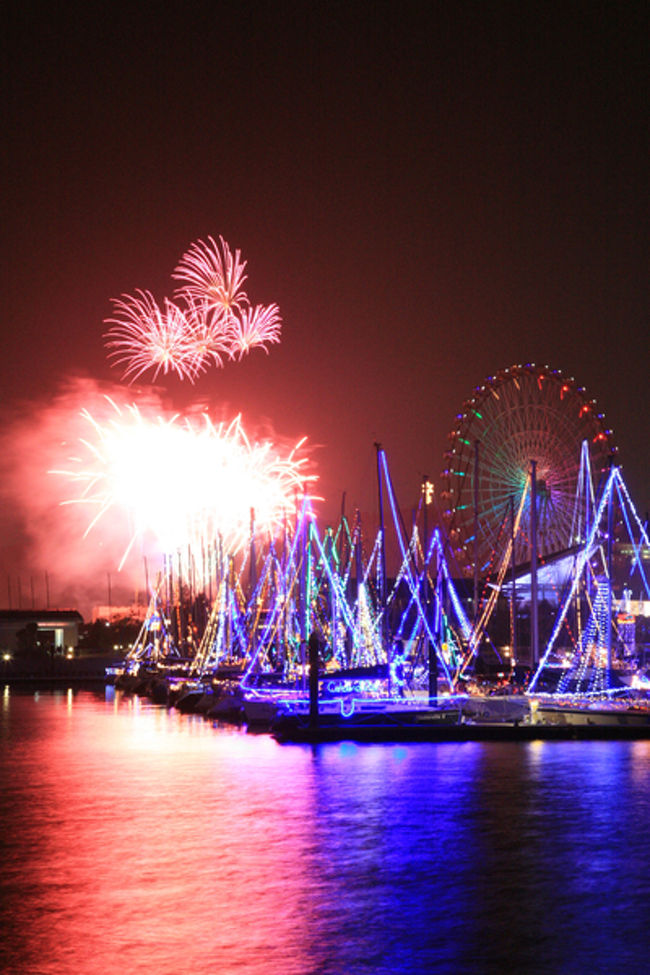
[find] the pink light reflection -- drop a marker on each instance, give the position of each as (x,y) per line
(155,850)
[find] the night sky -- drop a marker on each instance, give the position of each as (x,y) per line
(428,197)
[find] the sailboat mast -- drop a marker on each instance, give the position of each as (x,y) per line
(534,622)
(382,568)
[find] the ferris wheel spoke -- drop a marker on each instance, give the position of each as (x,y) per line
(519,415)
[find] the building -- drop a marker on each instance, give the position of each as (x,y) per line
(45,630)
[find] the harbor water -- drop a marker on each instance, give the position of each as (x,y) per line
(135,839)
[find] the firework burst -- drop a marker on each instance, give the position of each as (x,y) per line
(211,274)
(255,327)
(209,321)
(145,336)
(183,482)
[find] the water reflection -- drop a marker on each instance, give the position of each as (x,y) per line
(136,839)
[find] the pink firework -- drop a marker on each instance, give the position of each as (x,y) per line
(210,319)
(210,337)
(212,275)
(145,336)
(257,326)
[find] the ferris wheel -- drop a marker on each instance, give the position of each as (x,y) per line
(522,414)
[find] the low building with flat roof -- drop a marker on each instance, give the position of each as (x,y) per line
(54,630)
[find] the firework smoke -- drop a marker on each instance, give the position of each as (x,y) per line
(95,484)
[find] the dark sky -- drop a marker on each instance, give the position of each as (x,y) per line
(429,198)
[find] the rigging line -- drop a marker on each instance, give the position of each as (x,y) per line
(613,476)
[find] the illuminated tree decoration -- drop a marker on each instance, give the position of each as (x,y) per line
(209,321)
